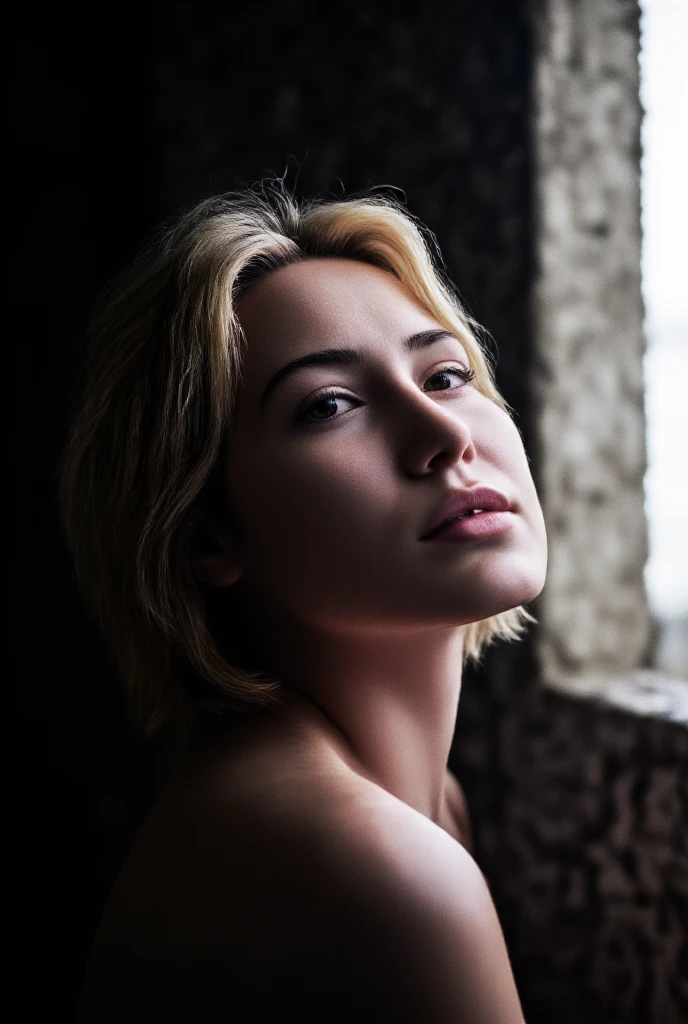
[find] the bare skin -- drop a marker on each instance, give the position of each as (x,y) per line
(314,858)
(270,857)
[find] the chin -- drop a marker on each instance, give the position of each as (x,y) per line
(502,595)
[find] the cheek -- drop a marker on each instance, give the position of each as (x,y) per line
(496,438)
(308,510)
(324,522)
(501,450)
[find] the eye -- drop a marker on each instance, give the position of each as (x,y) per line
(325,407)
(464,372)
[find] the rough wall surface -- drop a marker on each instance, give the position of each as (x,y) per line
(588,335)
(580,815)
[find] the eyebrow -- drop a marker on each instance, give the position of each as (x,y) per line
(348,357)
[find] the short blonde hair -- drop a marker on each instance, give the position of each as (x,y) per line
(146,446)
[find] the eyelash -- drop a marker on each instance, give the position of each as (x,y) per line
(468,374)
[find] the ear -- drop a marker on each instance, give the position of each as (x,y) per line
(215,557)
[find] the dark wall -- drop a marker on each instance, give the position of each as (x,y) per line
(428,97)
(116,122)
(78,200)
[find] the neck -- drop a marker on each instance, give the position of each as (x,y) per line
(391,701)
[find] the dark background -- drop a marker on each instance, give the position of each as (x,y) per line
(117,119)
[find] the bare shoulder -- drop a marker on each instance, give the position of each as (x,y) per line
(425,909)
(300,884)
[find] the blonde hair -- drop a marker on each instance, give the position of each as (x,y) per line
(143,454)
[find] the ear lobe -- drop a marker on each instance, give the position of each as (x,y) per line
(214,558)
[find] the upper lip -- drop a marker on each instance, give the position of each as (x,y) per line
(458,502)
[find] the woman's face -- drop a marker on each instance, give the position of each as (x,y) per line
(332,495)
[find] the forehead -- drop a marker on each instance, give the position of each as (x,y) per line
(323,303)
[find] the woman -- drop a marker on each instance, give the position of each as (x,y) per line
(298,505)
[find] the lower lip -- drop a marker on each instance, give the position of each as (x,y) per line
(480,526)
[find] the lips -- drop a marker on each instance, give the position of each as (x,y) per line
(466,503)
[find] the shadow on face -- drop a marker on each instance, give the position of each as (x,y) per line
(348,435)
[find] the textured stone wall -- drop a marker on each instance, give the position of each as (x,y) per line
(588,335)
(580,814)
(580,809)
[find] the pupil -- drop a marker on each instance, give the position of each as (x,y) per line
(445,378)
(331,404)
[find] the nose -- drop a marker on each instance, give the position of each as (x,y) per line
(433,437)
